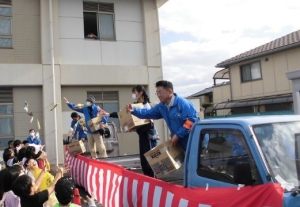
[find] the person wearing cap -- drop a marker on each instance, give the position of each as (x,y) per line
(77,129)
(90,111)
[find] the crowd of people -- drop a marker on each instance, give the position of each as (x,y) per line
(27,179)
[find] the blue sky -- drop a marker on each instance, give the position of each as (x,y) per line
(198,34)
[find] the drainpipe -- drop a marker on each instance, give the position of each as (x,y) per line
(230,84)
(53,76)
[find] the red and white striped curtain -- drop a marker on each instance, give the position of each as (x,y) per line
(114,186)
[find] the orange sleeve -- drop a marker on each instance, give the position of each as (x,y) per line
(188,124)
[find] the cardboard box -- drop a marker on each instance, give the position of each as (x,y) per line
(130,122)
(76,147)
(82,122)
(94,123)
(165,159)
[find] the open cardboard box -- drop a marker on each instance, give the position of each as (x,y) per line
(94,123)
(165,159)
(130,122)
(76,147)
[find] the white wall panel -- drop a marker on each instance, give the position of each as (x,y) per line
(71,27)
(123,53)
(92,52)
(129,10)
(127,50)
(71,51)
(71,8)
(129,31)
(74,51)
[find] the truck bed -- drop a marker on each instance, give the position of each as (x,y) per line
(132,162)
(129,162)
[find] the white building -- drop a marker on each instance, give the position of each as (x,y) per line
(42,37)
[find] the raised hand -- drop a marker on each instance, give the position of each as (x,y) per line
(66,100)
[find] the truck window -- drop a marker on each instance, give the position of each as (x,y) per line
(224,156)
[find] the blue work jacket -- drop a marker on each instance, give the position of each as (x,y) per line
(33,140)
(79,133)
(89,113)
(175,117)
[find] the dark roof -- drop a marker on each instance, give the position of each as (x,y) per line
(283,43)
(204,91)
(282,98)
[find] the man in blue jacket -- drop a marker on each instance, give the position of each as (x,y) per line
(178,113)
(90,111)
(77,128)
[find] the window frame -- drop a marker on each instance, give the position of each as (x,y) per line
(114,29)
(12,135)
(205,173)
(2,17)
(98,25)
(250,64)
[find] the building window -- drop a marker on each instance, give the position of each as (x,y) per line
(251,72)
(107,100)
(6,116)
(224,156)
(99,21)
(5,24)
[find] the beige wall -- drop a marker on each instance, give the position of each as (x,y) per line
(79,94)
(25,33)
(221,93)
(21,74)
(33,95)
(274,81)
(28,64)
(103,74)
(152,36)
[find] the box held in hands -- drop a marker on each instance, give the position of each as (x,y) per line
(76,147)
(165,158)
(130,122)
(95,123)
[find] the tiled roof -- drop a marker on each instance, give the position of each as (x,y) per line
(288,41)
(204,91)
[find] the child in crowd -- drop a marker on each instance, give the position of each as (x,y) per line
(33,137)
(26,188)
(17,146)
(7,177)
(34,171)
(64,191)
(9,157)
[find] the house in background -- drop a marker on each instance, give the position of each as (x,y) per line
(91,47)
(203,102)
(258,80)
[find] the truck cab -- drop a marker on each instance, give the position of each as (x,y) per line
(226,152)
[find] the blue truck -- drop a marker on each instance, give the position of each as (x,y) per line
(246,151)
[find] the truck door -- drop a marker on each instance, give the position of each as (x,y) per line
(223,159)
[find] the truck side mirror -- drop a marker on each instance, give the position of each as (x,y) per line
(242,173)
